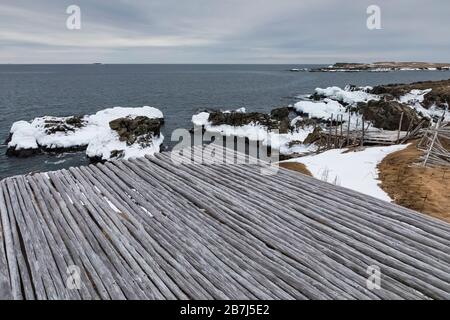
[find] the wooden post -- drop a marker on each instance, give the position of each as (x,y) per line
(330,132)
(436,132)
(336,132)
(348,128)
(400,127)
(362,134)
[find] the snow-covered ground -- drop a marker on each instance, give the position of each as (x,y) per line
(355,170)
(95,134)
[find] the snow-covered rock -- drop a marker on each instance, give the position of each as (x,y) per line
(414,96)
(415,99)
(259,132)
(91,132)
(349,95)
(320,110)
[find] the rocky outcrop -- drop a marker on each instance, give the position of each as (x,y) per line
(22,153)
(278,119)
(281,115)
(54,125)
(136,130)
(386,114)
(238,119)
(313,136)
(50,125)
(439,95)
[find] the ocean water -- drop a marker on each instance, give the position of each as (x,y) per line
(29,91)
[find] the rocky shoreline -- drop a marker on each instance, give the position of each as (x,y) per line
(294,130)
(299,127)
(384,67)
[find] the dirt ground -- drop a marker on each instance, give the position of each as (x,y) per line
(423,189)
(299,167)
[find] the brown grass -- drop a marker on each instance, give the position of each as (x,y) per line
(410,185)
(295,166)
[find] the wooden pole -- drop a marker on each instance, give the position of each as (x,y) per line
(330,132)
(362,134)
(348,127)
(336,132)
(432,142)
(400,127)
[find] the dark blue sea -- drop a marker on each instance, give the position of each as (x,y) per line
(29,91)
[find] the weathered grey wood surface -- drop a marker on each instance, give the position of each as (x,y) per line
(152,229)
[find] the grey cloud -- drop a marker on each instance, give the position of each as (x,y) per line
(225,31)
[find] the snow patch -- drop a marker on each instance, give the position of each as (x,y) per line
(354,170)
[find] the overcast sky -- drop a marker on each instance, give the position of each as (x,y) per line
(225,31)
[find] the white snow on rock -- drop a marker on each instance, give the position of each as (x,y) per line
(200,119)
(96,134)
(323,110)
(240,110)
(104,145)
(320,110)
(346,95)
(356,170)
(414,96)
(23,136)
(414,99)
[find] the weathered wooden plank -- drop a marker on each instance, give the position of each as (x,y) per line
(74,238)
(35,242)
(54,257)
(225,215)
(16,246)
(185,168)
(98,237)
(195,251)
(67,249)
(72,213)
(412,264)
(182,262)
(5,286)
(183,276)
(246,209)
(126,252)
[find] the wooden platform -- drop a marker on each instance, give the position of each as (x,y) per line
(149,229)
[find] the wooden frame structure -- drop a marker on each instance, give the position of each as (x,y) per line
(151,229)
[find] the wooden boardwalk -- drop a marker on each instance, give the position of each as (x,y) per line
(149,229)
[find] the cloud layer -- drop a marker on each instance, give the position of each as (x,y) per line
(225,31)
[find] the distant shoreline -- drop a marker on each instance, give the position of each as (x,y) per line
(384,67)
